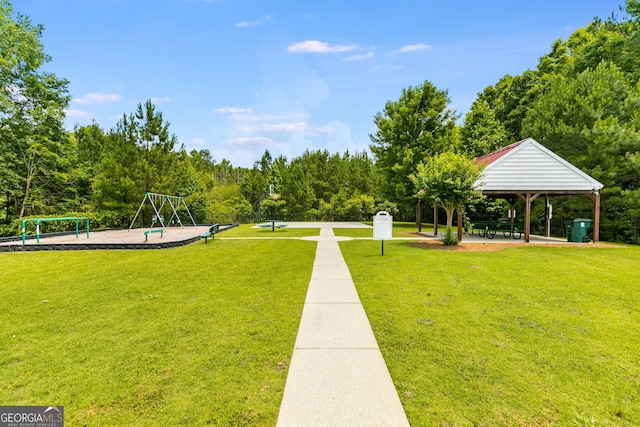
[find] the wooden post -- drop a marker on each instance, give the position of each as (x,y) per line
(527,217)
(596,216)
(460,224)
(596,220)
(527,199)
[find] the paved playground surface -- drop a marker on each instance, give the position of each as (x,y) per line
(104,239)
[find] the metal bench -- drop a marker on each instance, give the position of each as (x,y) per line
(211,233)
(146,233)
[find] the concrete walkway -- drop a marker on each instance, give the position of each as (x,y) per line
(337,375)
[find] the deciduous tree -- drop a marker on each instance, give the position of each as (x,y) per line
(447,180)
(418,125)
(33,143)
(482,133)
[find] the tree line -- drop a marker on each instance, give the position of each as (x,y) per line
(581,102)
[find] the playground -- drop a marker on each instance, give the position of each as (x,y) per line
(113,239)
(169,223)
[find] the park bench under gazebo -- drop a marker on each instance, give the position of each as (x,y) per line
(526,170)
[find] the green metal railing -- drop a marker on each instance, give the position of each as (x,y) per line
(39,220)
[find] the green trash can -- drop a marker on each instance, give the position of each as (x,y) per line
(577,230)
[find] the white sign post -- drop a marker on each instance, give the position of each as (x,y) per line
(382,227)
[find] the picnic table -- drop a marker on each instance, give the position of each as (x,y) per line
(489,229)
(271,223)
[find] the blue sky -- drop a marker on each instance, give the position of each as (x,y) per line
(237,77)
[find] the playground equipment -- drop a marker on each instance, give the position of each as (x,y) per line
(159,202)
(39,220)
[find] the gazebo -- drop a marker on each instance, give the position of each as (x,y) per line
(526,170)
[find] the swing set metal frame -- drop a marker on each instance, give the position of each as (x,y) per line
(163,199)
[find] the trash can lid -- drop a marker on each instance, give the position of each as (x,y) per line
(582,220)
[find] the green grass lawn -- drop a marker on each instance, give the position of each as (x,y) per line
(190,336)
(248,230)
(400,229)
(530,336)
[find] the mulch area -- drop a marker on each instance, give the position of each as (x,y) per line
(463,247)
(490,247)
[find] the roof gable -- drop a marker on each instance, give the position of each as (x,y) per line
(529,166)
(495,155)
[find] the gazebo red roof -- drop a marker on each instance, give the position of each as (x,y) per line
(487,159)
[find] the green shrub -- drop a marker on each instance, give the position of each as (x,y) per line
(449,239)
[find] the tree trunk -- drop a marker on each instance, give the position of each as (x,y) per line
(450,210)
(30,163)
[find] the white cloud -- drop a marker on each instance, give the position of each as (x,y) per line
(341,140)
(256,23)
(265,117)
(232,110)
(384,68)
(315,46)
(284,127)
(413,48)
(288,127)
(359,57)
(297,127)
(238,156)
(77,113)
(97,98)
(324,129)
(198,141)
(245,24)
(254,140)
(154,100)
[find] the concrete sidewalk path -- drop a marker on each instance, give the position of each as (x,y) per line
(337,375)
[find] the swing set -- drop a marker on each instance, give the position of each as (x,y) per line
(162,203)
